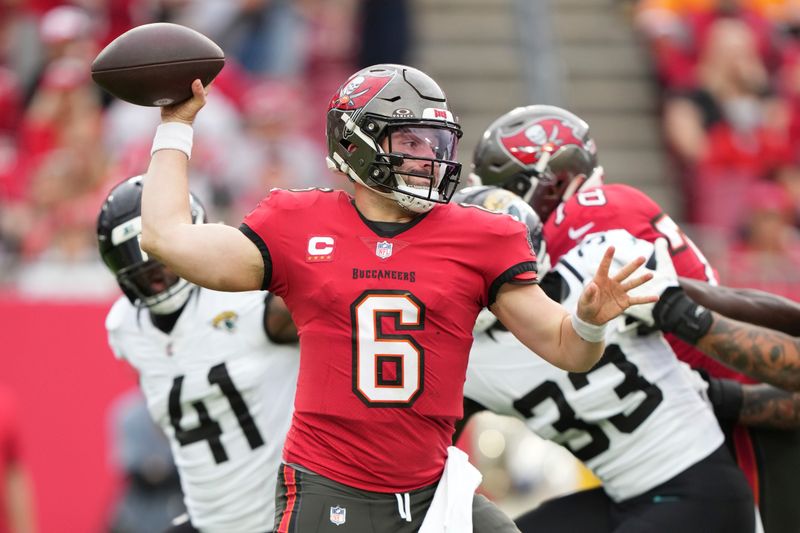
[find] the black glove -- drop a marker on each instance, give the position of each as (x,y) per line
(676,313)
(726,397)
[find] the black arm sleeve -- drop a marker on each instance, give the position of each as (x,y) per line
(747,305)
(726,397)
(278,324)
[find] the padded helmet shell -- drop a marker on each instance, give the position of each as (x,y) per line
(145,281)
(377,102)
(540,152)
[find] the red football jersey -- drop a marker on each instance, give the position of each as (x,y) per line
(385,322)
(617,206)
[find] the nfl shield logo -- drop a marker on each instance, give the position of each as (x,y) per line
(338,515)
(383,249)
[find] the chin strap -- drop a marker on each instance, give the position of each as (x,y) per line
(178,296)
(594,180)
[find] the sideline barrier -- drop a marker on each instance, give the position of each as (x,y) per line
(54,357)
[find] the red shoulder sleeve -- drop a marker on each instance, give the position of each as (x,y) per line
(262,226)
(604,208)
(504,250)
(518,264)
(275,227)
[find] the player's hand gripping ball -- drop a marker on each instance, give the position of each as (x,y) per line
(155,64)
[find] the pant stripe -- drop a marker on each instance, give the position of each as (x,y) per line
(290,482)
(746,458)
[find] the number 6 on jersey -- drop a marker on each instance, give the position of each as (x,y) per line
(388,368)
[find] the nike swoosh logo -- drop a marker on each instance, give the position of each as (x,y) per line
(576,234)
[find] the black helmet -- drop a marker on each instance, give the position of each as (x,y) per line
(418,167)
(145,281)
(542,153)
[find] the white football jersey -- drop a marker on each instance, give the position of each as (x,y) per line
(223,394)
(637,419)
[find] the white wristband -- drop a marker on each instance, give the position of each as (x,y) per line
(173,136)
(586,331)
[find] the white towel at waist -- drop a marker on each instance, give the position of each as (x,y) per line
(451,508)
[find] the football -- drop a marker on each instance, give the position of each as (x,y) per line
(155,64)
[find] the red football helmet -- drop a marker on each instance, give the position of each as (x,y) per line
(542,153)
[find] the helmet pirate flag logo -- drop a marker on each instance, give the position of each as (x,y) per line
(359,90)
(547,135)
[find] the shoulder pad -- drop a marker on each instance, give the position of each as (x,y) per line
(296,198)
(586,256)
(117,313)
(624,199)
(484,221)
(627,193)
(240,300)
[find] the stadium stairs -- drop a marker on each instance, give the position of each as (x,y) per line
(493,55)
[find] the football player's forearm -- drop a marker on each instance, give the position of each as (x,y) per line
(769,407)
(215,256)
(747,305)
(165,202)
(764,354)
(545,327)
(580,354)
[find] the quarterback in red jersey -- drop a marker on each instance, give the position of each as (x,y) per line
(401,305)
(384,287)
(546,155)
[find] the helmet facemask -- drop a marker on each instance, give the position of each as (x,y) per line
(414,164)
(417,164)
(155,287)
(145,282)
(539,187)
(390,130)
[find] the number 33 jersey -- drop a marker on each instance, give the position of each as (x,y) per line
(617,206)
(636,419)
(223,394)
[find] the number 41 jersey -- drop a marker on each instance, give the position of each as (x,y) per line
(223,394)
(637,419)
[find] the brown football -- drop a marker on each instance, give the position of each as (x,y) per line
(155,64)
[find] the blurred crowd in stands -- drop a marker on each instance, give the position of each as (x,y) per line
(729,71)
(64,143)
